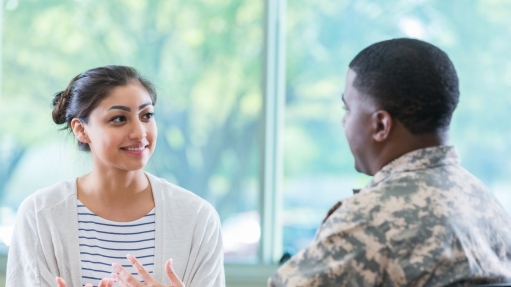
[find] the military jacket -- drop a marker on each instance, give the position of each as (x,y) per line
(421,221)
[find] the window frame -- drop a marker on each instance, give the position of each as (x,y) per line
(271,172)
(274,76)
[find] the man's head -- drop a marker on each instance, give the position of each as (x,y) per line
(400,95)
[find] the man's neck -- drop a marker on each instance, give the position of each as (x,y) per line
(398,146)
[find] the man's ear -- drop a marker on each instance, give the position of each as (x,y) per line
(382,125)
(79,130)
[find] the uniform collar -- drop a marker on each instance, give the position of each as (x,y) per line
(416,160)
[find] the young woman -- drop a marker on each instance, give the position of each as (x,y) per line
(116,223)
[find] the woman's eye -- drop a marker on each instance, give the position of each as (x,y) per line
(148,116)
(118,119)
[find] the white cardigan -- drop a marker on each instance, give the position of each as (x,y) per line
(45,240)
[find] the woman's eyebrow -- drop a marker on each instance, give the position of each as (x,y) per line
(128,109)
(124,108)
(145,105)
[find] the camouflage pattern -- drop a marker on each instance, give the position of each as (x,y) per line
(421,221)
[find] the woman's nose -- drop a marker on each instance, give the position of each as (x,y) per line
(138,130)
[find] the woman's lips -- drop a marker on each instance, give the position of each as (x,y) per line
(136,151)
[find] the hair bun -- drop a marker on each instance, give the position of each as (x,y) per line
(59,107)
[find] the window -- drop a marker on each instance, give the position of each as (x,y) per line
(324,36)
(205,58)
(249,110)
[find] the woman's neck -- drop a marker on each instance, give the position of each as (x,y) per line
(115,194)
(112,183)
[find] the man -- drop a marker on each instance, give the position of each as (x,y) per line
(422,220)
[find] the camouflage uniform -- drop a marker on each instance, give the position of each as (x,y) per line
(421,221)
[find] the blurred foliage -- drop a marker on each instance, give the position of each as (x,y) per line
(203,55)
(205,58)
(323,36)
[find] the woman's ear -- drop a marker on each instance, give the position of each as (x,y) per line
(382,125)
(79,130)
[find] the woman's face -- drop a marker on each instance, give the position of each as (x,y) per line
(121,130)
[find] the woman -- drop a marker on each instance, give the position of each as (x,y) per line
(82,230)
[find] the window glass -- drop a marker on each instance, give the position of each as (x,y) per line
(205,59)
(323,36)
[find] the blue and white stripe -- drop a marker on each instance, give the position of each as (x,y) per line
(103,242)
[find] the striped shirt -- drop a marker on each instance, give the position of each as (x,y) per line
(103,242)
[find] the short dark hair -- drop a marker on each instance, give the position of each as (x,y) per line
(412,80)
(88,89)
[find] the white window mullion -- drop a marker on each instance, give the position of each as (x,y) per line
(274,103)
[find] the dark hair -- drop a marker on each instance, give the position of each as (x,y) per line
(412,80)
(88,89)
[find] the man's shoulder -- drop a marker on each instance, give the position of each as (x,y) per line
(440,200)
(352,213)
(430,180)
(405,199)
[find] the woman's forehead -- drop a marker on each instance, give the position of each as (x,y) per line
(132,95)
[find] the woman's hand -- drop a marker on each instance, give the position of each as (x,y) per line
(125,279)
(105,282)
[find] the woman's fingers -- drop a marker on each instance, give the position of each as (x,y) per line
(105,282)
(120,281)
(172,275)
(140,269)
(60,282)
(124,278)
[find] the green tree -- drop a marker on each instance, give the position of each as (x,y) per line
(324,35)
(204,56)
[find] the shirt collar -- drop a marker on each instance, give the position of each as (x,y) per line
(416,160)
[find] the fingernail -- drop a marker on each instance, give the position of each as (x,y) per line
(130,257)
(114,277)
(116,267)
